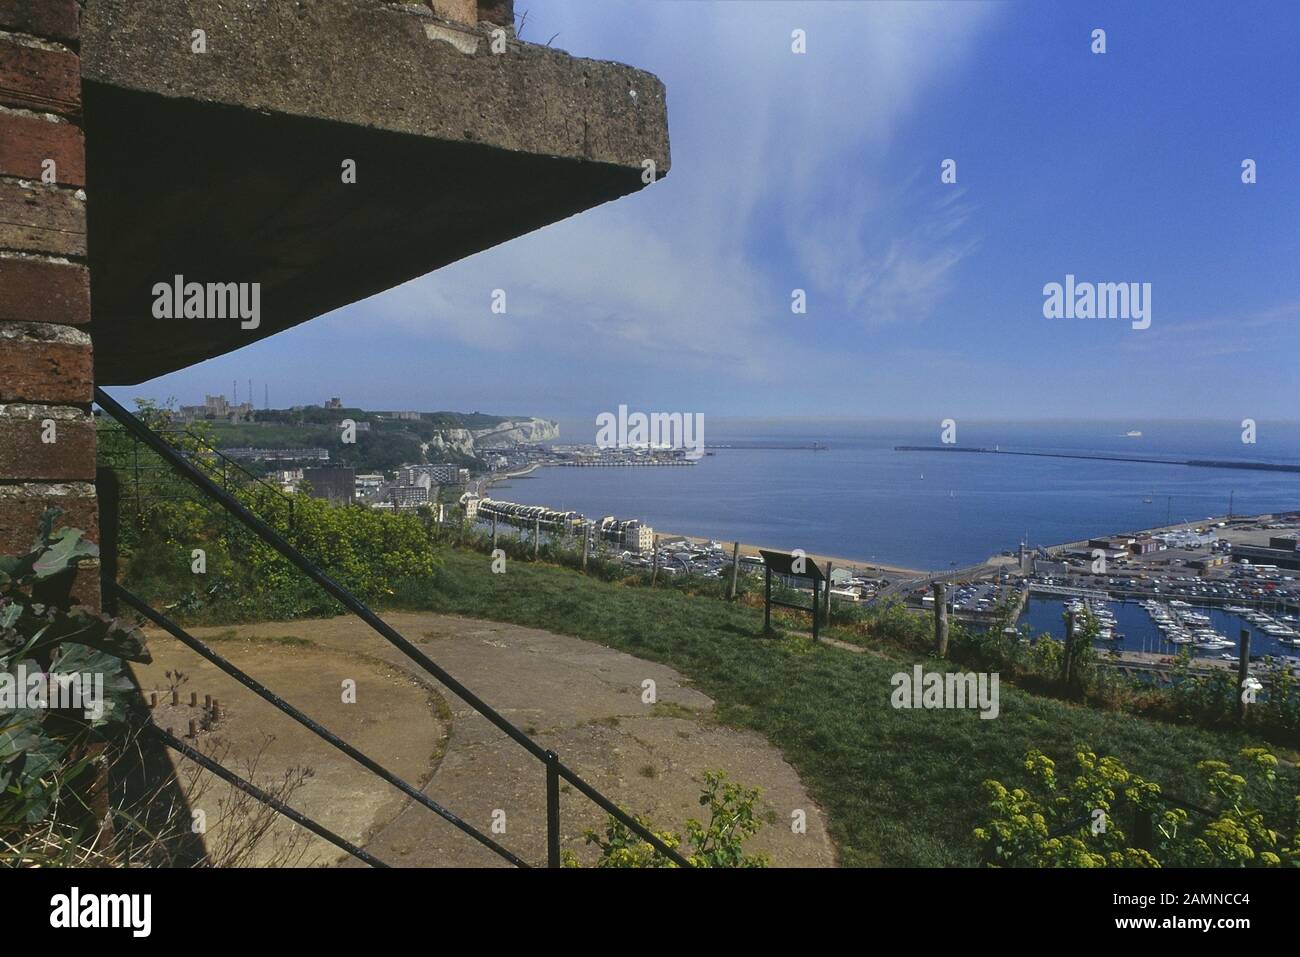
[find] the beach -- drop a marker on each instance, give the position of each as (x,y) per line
(857,566)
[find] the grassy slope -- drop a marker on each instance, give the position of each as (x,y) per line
(900,787)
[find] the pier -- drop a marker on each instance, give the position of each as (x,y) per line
(615,463)
(1192,463)
(781,446)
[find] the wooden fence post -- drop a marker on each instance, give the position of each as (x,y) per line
(827,619)
(941,619)
(767,598)
(654,563)
(586,544)
(735,569)
(816,612)
(537,536)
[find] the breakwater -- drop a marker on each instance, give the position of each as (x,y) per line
(1193,463)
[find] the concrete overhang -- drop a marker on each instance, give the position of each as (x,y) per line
(226,166)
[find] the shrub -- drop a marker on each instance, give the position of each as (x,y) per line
(720,843)
(48,758)
(1083,821)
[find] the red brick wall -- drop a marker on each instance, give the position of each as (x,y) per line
(47,436)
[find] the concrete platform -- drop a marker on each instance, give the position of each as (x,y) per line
(226,166)
(581,699)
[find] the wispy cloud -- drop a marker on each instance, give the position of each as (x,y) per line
(780,180)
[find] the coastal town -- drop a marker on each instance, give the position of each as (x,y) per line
(1245,566)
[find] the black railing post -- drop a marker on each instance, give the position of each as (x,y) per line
(135,476)
(107,490)
(552,809)
(816,609)
(1144,837)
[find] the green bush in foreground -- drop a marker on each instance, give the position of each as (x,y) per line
(717,844)
(50,754)
(165,519)
(1084,821)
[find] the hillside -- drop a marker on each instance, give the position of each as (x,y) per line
(383,443)
(900,787)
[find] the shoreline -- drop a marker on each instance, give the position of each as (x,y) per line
(852,564)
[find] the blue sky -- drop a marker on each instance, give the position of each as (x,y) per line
(821,171)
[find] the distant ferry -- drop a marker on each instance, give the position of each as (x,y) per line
(1133,434)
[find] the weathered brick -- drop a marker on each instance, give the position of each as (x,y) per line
(32,290)
(52,19)
(26,142)
(21,508)
(37,79)
(25,457)
(36,369)
(42,219)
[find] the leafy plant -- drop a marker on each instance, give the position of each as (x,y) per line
(1083,821)
(164,517)
(717,844)
(43,750)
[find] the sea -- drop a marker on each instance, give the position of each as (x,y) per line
(859,499)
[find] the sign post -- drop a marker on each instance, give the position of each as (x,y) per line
(792,566)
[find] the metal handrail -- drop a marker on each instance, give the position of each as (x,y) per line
(227,461)
(317,729)
(230,777)
(555,768)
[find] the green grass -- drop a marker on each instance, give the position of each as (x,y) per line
(899,787)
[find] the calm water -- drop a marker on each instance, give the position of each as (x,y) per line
(864,501)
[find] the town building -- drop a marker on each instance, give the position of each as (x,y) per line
(433,474)
(1259,555)
(407,496)
(335,483)
(278,455)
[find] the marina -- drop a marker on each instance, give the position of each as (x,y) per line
(1154,627)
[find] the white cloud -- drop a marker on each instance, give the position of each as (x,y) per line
(779,180)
